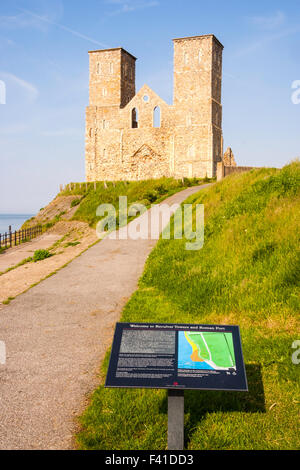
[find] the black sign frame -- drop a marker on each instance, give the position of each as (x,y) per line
(131,366)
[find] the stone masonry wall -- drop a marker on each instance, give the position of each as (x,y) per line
(223,170)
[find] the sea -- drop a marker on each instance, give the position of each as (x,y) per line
(184,355)
(15,220)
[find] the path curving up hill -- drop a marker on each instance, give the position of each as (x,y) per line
(56,335)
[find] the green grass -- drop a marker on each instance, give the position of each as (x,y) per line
(7,301)
(248,273)
(71,244)
(146,192)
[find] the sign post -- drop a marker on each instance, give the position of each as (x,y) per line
(175,419)
(176,357)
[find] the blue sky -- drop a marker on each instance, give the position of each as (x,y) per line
(44,65)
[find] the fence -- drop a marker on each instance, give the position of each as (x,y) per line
(95,184)
(86,185)
(9,239)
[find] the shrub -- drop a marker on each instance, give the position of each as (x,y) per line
(48,225)
(161,188)
(75,202)
(152,195)
(40,255)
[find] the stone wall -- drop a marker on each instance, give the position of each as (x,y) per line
(124,140)
(223,170)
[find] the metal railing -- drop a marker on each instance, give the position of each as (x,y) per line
(9,239)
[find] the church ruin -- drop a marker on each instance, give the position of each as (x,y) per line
(133,136)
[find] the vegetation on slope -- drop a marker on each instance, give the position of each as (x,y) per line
(248,273)
(79,201)
(146,192)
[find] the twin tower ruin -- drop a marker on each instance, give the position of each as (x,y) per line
(133,136)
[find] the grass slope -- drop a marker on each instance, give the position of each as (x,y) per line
(248,273)
(146,192)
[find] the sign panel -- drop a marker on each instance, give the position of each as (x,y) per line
(174,356)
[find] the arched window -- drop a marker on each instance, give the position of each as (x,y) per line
(191,151)
(156,116)
(134,118)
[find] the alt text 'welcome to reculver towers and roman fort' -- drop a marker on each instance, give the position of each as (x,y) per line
(133,136)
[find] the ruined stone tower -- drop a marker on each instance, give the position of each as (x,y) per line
(138,136)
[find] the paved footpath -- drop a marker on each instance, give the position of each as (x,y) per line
(56,335)
(18,253)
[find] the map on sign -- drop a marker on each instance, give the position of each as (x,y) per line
(205,350)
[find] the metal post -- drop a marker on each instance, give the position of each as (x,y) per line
(175,419)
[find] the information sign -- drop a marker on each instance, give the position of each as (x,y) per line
(177,356)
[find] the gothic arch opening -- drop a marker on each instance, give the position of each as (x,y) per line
(134,118)
(156,116)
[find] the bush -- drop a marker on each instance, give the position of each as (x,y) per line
(40,255)
(152,195)
(75,202)
(48,225)
(161,188)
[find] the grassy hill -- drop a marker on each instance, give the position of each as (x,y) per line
(146,192)
(248,273)
(79,201)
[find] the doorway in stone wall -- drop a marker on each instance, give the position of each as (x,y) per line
(146,163)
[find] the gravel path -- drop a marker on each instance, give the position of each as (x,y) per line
(56,335)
